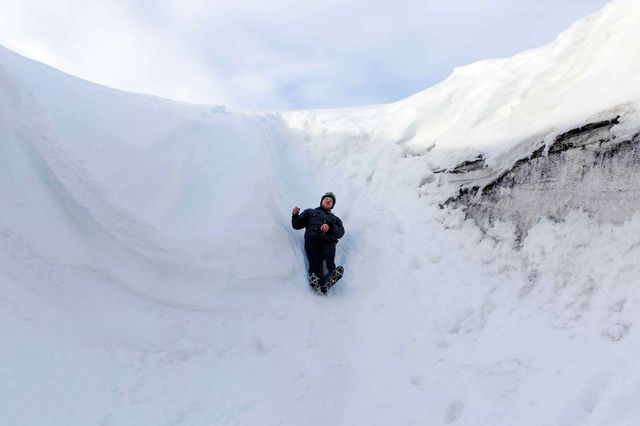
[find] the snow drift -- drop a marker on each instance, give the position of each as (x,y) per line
(88,169)
(149,274)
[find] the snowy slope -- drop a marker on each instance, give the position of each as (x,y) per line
(541,335)
(491,107)
(145,257)
(99,169)
(149,275)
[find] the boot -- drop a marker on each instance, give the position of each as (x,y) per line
(314,281)
(331,279)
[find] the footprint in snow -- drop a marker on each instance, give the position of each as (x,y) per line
(454,411)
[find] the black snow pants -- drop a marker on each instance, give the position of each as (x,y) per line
(318,250)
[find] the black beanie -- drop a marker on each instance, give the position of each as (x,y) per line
(330,195)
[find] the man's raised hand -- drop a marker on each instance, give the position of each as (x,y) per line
(295,210)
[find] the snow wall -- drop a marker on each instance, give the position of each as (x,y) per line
(141,186)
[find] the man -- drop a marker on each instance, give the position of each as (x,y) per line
(323,229)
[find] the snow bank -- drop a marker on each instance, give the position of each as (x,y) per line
(88,170)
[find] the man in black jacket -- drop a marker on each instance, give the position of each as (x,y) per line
(323,229)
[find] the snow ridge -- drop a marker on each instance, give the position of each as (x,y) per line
(492,106)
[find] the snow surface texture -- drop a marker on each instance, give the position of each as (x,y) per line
(149,275)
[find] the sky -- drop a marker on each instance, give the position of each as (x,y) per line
(282,54)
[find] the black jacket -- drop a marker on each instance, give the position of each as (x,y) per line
(313,219)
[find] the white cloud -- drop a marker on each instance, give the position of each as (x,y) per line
(278,54)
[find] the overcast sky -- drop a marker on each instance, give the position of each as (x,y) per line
(278,54)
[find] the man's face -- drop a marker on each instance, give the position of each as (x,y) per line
(327,203)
